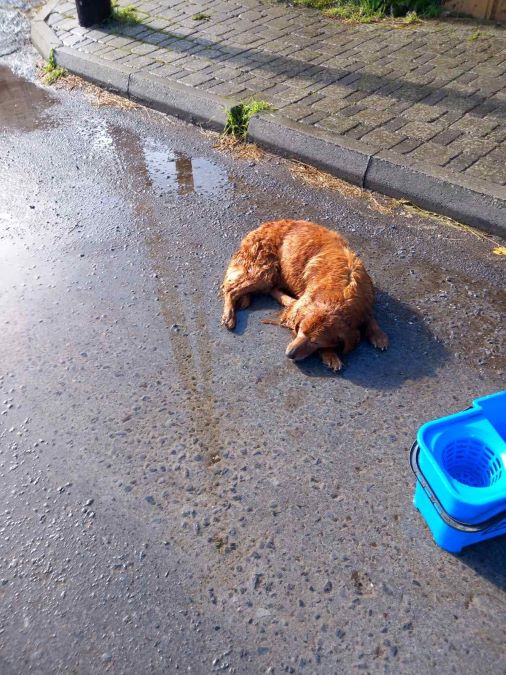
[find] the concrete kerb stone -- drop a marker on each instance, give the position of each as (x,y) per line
(468,201)
(43,38)
(106,73)
(179,100)
(345,158)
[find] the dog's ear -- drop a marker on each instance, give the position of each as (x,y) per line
(291,318)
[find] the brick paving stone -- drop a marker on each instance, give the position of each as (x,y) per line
(359,130)
(498,154)
(450,118)
(459,103)
(427,92)
(121,42)
(195,79)
(337,124)
(407,145)
(373,117)
(422,130)
(164,70)
(350,78)
(395,124)
(143,49)
(297,112)
(131,31)
(398,107)
(381,138)
(227,89)
(102,49)
(311,99)
(476,127)
(72,40)
(433,154)
(447,136)
(356,96)
(499,136)
(471,145)
(331,105)
(487,169)
(157,24)
(376,102)
(483,109)
(314,118)
(352,110)
(421,112)
(112,54)
(135,61)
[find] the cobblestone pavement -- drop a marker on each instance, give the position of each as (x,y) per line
(434,93)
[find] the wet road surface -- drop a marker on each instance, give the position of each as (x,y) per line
(179,498)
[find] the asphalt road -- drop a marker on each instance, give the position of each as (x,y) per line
(176,497)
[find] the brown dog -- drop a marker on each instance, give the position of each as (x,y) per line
(331,295)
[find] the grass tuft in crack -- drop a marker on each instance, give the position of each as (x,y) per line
(126,15)
(53,72)
(201,16)
(239,116)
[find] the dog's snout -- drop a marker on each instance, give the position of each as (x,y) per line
(298,348)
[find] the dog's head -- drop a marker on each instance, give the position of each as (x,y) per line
(315,328)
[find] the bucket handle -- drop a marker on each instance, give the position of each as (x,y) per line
(414,454)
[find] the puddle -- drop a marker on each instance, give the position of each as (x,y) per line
(171,171)
(22,103)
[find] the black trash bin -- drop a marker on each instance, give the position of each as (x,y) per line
(90,12)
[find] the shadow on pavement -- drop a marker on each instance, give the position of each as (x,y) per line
(488,559)
(414,352)
(260,303)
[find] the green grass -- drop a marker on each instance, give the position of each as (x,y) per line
(370,11)
(201,16)
(354,12)
(411,18)
(474,36)
(126,15)
(238,117)
(52,70)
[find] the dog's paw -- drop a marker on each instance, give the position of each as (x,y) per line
(332,361)
(228,320)
(380,340)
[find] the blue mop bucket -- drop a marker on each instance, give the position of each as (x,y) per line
(460,465)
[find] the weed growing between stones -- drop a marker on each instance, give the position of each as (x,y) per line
(52,71)
(239,116)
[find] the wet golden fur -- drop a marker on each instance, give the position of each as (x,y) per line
(326,292)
